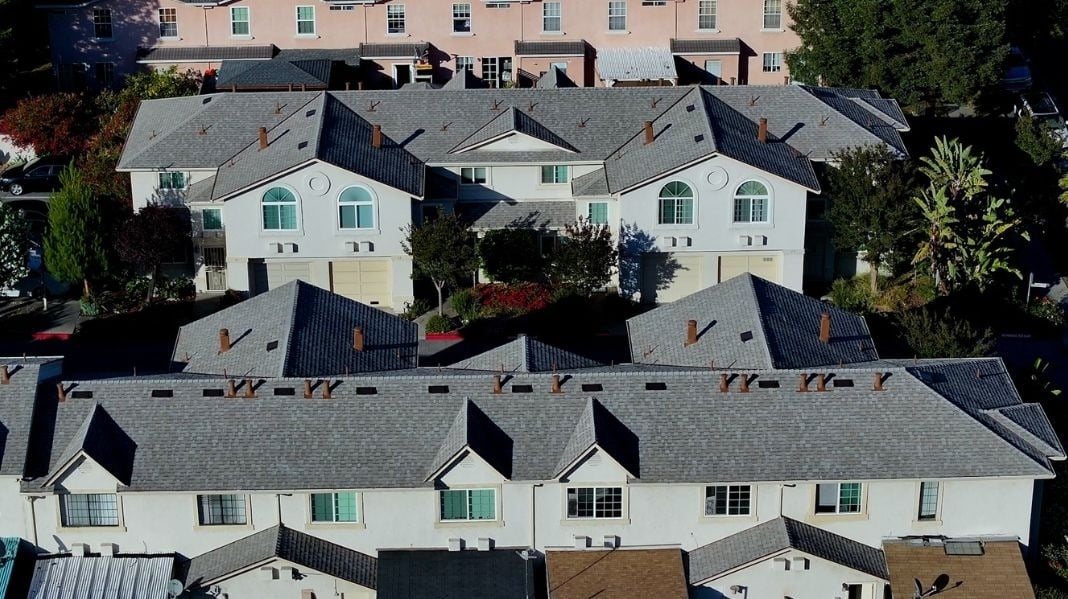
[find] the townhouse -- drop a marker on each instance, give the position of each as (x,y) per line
(698,183)
(756,435)
(506,42)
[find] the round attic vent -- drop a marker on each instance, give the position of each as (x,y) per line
(718,177)
(318,183)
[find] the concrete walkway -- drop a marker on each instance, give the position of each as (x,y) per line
(59,321)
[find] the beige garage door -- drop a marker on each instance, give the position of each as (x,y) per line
(275,274)
(764,266)
(366,281)
(667,277)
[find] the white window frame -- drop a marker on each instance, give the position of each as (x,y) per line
(595,488)
(693,205)
(771,62)
(63,510)
(296,196)
(936,516)
(171,14)
(707,10)
(474,171)
(203,221)
(607,212)
(617,9)
(458,17)
(555,172)
(838,499)
(99,16)
(165,180)
(465,62)
(395,13)
(334,521)
(729,488)
(496,505)
(245,512)
(247,22)
(772,10)
(552,12)
(372,201)
(314,29)
(750,198)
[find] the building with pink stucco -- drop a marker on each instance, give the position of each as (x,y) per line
(388,43)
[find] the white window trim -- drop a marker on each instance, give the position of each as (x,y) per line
(764,18)
(625,15)
(836,515)
(121,526)
(333,524)
(558,31)
(196,513)
(769,208)
(297,21)
(542,182)
(937,520)
(248,21)
(374,210)
(752,501)
(403,18)
(624,506)
(470,19)
(460,176)
(497,520)
(658,187)
(161,188)
(715,16)
(776,68)
(608,211)
(111,23)
(300,204)
(159,23)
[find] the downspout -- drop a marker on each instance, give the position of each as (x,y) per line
(33,515)
(534,514)
(207,42)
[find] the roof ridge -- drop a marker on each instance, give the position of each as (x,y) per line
(292,326)
(462,145)
(864,130)
(525,350)
(751,280)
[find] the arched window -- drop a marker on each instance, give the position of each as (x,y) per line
(751,203)
(676,204)
(356,209)
(279,210)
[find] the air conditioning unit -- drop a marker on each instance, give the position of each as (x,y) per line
(685,242)
(352,246)
(485,543)
(290,248)
(367,246)
(745,240)
(581,542)
(610,541)
(456,544)
(760,240)
(108,549)
(274,248)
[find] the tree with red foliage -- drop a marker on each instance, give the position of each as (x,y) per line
(150,237)
(55,124)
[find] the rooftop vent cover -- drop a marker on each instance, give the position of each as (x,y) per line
(768,384)
(374,390)
(522,388)
(285,391)
(162,393)
(592,387)
(837,382)
(213,393)
(656,386)
(437,389)
(747,336)
(964,547)
(81,394)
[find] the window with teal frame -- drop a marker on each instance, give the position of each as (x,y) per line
(468,504)
(279,210)
(356,209)
(334,507)
(212,218)
(676,204)
(598,213)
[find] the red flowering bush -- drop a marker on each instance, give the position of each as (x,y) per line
(55,124)
(520,298)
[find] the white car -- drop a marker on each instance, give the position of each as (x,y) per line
(1041,107)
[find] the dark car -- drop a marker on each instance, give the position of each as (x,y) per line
(38,175)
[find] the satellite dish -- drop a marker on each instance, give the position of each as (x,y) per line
(175,587)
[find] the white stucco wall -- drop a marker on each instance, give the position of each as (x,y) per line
(14,509)
(144,187)
(276,579)
(800,576)
(517,181)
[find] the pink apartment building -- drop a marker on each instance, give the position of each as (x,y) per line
(393,42)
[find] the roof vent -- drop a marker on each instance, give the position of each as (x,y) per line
(837,382)
(691,333)
(81,394)
(308,389)
(263,138)
(690,108)
(744,378)
(5,375)
(556,384)
(437,389)
(366,390)
(724,384)
(272,345)
(587,387)
(250,391)
(768,384)
(285,391)
(224,340)
(746,336)
(878,386)
(656,386)
(825,327)
(497,384)
(376,136)
(803,385)
(357,336)
(162,393)
(212,393)
(522,388)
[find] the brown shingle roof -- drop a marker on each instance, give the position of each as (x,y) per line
(616,574)
(996,574)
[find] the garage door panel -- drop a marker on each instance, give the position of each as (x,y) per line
(280,273)
(366,281)
(764,266)
(668,277)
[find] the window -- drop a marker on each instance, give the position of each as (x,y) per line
(772,62)
(105,73)
(772,14)
(597,213)
(468,504)
(751,203)
(102,23)
(334,507)
(239,21)
(706,14)
(617,15)
(71,76)
(595,502)
(728,500)
(928,500)
(465,62)
(356,209)
(168,22)
(279,210)
(838,498)
(559,65)
(461,18)
(172,181)
(394,18)
(473,175)
(305,20)
(654,2)
(714,68)
(215,510)
(555,174)
(551,19)
(212,218)
(676,204)
(92,509)
(498,5)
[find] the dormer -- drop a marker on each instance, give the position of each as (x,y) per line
(98,457)
(601,448)
(513,131)
(475,450)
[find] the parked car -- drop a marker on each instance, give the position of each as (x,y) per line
(1041,107)
(37,175)
(1017,75)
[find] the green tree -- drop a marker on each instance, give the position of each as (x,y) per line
(14,246)
(443,250)
(966,229)
(871,211)
(512,255)
(930,333)
(586,257)
(150,237)
(1037,140)
(75,244)
(918,51)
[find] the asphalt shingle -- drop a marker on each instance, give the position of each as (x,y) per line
(526,354)
(16,407)
(706,46)
(551,215)
(433,574)
(205,53)
(550,48)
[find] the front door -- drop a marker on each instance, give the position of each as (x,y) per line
(215,268)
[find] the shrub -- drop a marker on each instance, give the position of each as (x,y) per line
(512,255)
(1048,310)
(500,299)
(88,306)
(138,286)
(231,297)
(852,295)
(932,334)
(439,324)
(465,304)
(177,288)
(415,308)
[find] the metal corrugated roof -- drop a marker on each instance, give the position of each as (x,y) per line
(68,577)
(636,64)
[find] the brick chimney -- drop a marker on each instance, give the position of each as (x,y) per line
(821,382)
(224,340)
(724,386)
(357,339)
(326,390)
(825,327)
(762,130)
(376,136)
(803,386)
(61,393)
(649,132)
(556,384)
(691,333)
(745,383)
(497,388)
(307,389)
(5,375)
(231,388)
(249,391)
(263,138)
(878,386)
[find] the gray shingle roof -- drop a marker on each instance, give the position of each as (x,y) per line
(591,184)
(102,440)
(465,79)
(16,408)
(554,78)
(276,73)
(597,427)
(436,574)
(535,48)
(474,431)
(526,354)
(524,215)
(297,330)
(205,53)
(780,534)
(283,543)
(706,46)
(399,50)
(508,121)
(349,56)
(749,322)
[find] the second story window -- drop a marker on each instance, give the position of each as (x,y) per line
(305,20)
(706,14)
(356,209)
(676,204)
(597,213)
(219,510)
(468,504)
(90,509)
(928,501)
(212,219)
(839,498)
(168,22)
(334,507)
(554,175)
(461,18)
(102,23)
(279,210)
(772,14)
(617,15)
(551,17)
(239,21)
(772,62)
(172,181)
(728,500)
(751,203)
(594,502)
(395,18)
(474,175)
